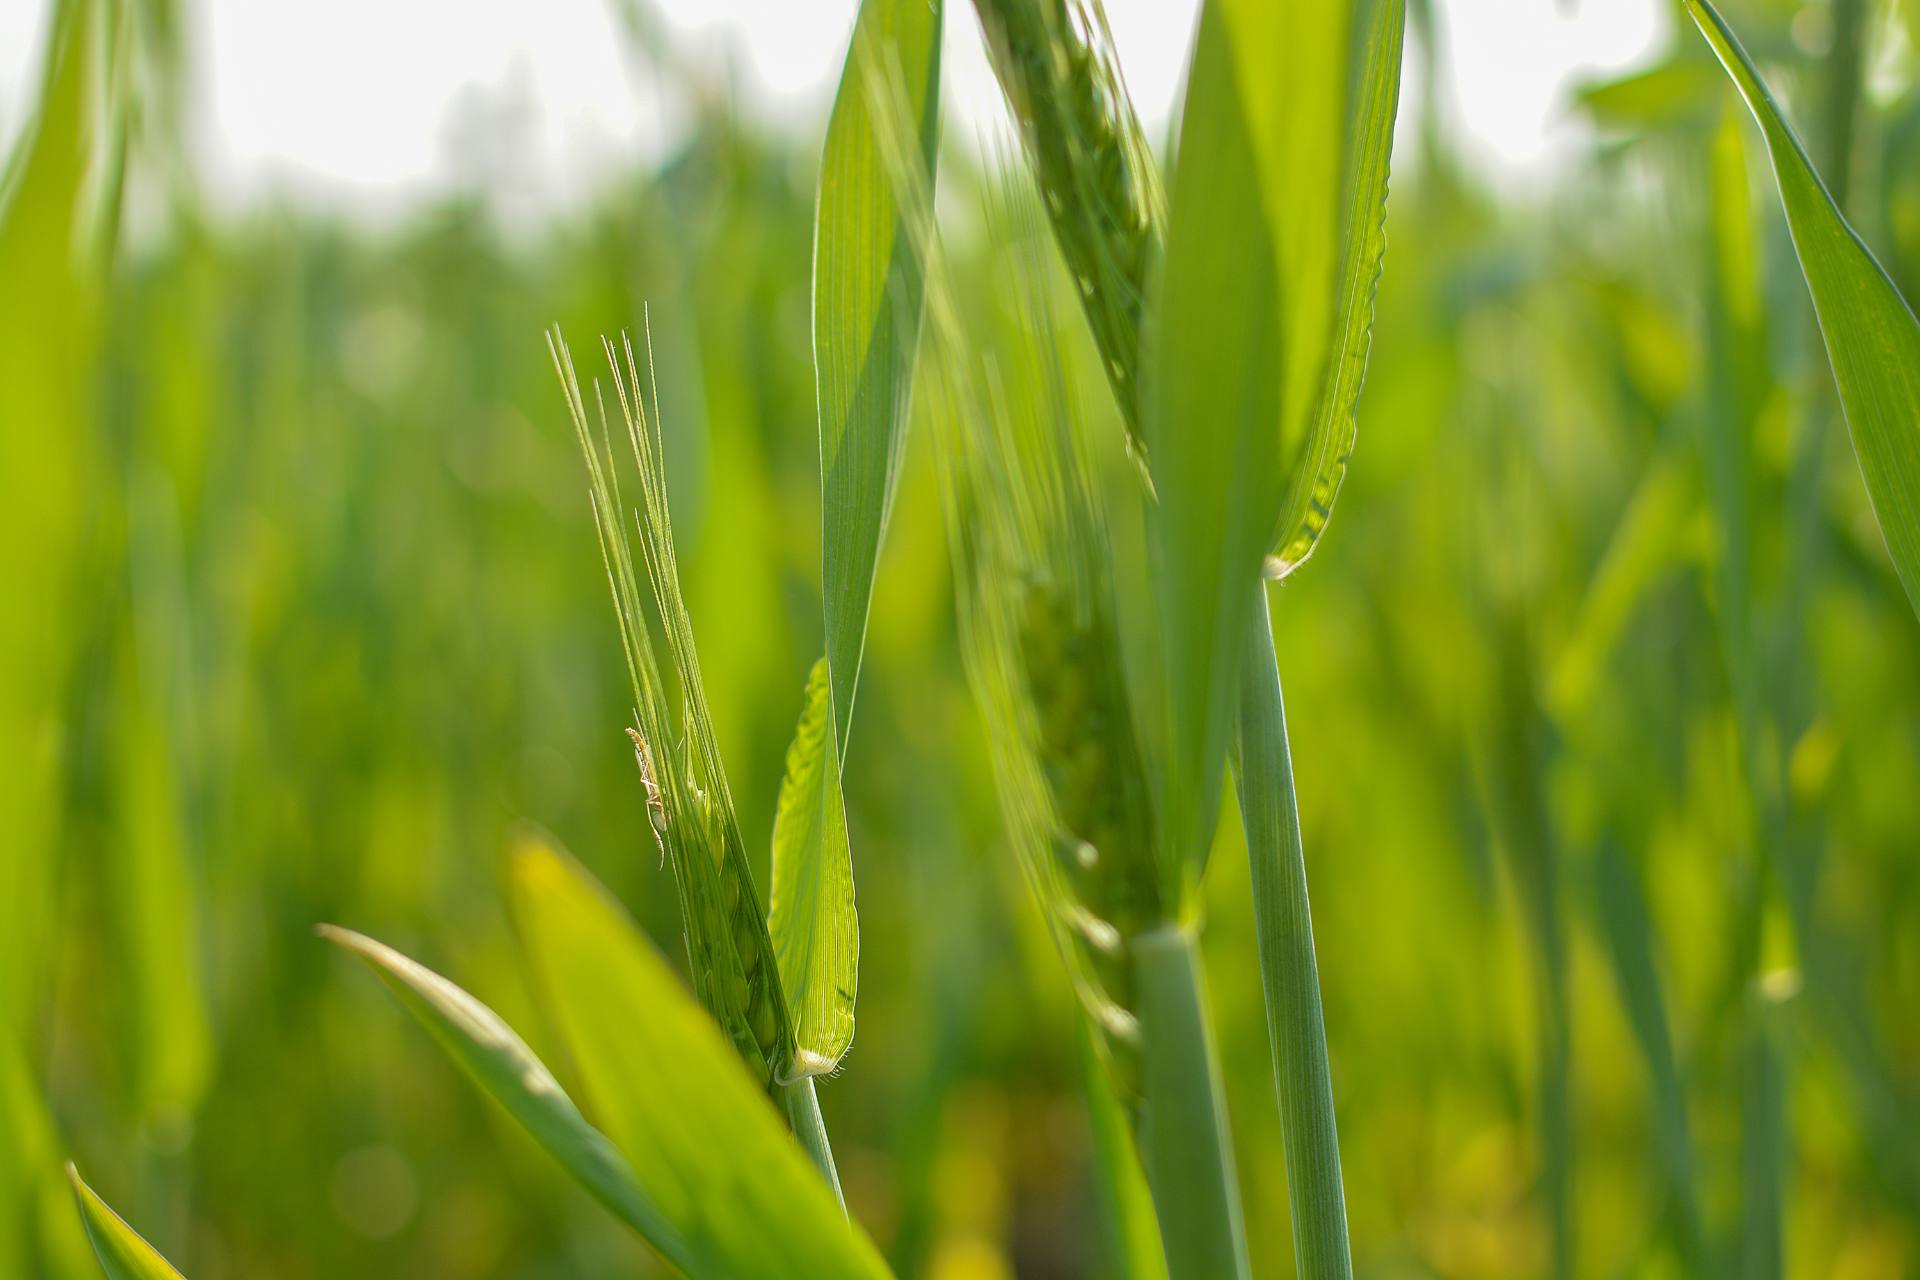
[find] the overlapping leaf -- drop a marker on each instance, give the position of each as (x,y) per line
(1872,336)
(1259,333)
(717,1159)
(867,287)
(816,935)
(500,1062)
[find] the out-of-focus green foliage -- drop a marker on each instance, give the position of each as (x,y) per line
(1602,702)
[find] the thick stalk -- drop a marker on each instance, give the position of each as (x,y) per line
(802,1106)
(1183,1130)
(1289,973)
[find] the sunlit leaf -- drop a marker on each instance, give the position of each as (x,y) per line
(1872,336)
(123,1254)
(816,937)
(1259,333)
(508,1071)
(670,1091)
(868,279)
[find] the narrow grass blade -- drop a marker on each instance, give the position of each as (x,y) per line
(1289,971)
(816,936)
(1648,542)
(500,1062)
(1872,336)
(716,1156)
(1258,335)
(1185,1143)
(123,1254)
(1621,906)
(867,284)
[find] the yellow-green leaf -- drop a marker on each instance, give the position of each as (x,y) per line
(1872,337)
(670,1091)
(816,936)
(509,1072)
(868,281)
(123,1254)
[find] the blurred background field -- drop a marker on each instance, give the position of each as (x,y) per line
(1604,699)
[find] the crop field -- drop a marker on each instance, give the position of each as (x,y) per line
(817,715)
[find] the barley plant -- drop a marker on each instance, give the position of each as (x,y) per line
(955,492)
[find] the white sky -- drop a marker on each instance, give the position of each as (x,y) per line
(369,105)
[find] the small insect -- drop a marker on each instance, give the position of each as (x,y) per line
(656,804)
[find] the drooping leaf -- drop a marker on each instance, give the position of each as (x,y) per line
(1259,334)
(816,936)
(500,1062)
(670,1091)
(867,285)
(123,1254)
(1872,336)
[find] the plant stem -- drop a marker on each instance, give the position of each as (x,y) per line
(1184,1140)
(1288,971)
(802,1106)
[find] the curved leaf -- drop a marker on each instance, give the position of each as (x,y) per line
(123,1254)
(1872,337)
(500,1062)
(816,935)
(867,284)
(717,1158)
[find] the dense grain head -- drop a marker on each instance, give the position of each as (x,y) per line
(1055,63)
(689,810)
(1033,562)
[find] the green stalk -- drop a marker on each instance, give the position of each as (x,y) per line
(1289,973)
(1184,1140)
(802,1106)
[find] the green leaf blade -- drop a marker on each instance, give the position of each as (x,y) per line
(509,1072)
(671,1092)
(816,932)
(1259,334)
(1380,30)
(868,283)
(1211,404)
(1871,334)
(123,1253)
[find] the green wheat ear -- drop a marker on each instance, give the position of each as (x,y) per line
(689,808)
(1041,641)
(1055,63)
